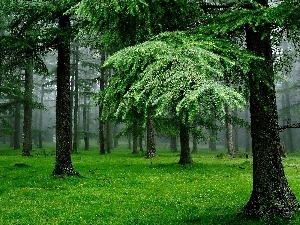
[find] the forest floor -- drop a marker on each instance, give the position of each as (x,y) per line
(123,188)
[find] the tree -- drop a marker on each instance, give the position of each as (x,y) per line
(63,163)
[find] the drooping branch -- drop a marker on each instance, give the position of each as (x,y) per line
(284,127)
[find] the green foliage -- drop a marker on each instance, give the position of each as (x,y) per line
(122,188)
(123,23)
(176,72)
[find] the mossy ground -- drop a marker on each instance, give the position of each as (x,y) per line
(123,188)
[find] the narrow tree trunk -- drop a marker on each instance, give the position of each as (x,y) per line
(185,155)
(63,163)
(27,122)
(85,124)
(212,140)
(271,194)
(151,151)
(229,139)
(129,139)
(195,150)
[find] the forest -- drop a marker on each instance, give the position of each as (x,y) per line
(149,112)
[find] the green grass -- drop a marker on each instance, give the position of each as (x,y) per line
(122,188)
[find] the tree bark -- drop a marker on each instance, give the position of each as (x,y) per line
(151,151)
(185,155)
(27,122)
(63,163)
(40,137)
(101,122)
(271,194)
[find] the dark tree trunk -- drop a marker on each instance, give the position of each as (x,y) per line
(27,122)
(271,194)
(185,155)
(85,123)
(17,127)
(63,163)
(151,151)
(212,140)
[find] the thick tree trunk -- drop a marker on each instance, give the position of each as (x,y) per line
(271,194)
(63,163)
(151,151)
(185,155)
(27,122)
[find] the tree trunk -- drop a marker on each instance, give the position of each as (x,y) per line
(229,137)
(194,144)
(236,132)
(185,155)
(151,151)
(271,194)
(27,122)
(85,124)
(63,163)
(129,139)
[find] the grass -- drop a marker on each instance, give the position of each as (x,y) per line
(122,188)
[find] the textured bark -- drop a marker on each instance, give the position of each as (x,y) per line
(63,163)
(185,155)
(27,122)
(151,151)
(271,194)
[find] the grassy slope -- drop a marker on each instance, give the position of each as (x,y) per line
(122,188)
